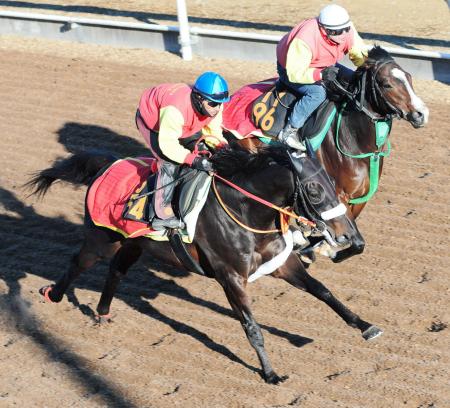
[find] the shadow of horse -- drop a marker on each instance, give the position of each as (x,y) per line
(78,137)
(55,243)
(58,251)
(15,310)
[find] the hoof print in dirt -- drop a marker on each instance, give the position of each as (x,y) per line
(437,326)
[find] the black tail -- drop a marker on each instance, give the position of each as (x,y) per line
(78,169)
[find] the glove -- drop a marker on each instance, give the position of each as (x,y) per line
(202,163)
(330,73)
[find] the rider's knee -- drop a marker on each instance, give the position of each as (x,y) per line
(320,93)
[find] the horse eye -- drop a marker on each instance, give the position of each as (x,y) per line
(386,85)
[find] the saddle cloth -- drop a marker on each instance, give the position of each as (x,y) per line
(271,110)
(261,110)
(109,195)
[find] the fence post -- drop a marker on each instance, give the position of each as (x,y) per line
(184,39)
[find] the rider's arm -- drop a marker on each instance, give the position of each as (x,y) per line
(358,52)
(213,131)
(171,123)
(298,63)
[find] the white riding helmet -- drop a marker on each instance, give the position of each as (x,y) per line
(334,17)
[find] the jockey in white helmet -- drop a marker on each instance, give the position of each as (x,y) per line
(308,55)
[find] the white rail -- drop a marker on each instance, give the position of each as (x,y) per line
(201,41)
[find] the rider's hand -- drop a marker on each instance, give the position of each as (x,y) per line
(330,73)
(202,163)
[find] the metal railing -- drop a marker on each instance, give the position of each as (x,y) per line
(204,42)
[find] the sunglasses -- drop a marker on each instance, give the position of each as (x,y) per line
(340,31)
(212,104)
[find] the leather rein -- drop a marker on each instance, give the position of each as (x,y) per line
(376,94)
(285,213)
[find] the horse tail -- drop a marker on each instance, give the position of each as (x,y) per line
(78,169)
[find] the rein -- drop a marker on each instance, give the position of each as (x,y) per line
(376,93)
(284,213)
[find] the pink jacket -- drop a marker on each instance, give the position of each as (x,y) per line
(305,51)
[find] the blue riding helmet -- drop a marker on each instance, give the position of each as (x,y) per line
(212,86)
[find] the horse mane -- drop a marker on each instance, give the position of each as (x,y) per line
(375,56)
(230,161)
(378,54)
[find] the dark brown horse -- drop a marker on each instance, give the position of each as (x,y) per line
(224,250)
(380,91)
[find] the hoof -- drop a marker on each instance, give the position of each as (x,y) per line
(45,291)
(102,319)
(372,332)
(307,256)
(275,379)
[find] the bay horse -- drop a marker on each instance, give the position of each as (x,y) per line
(226,251)
(352,151)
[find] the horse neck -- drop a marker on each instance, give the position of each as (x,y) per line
(356,133)
(274,184)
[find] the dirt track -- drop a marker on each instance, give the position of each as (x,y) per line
(173,342)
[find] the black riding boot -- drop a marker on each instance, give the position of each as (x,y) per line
(162,199)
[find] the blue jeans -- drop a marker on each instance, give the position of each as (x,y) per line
(311,95)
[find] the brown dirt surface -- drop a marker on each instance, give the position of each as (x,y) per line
(423,25)
(173,341)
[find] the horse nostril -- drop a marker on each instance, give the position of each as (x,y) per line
(417,115)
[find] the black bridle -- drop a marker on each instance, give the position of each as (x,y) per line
(301,196)
(377,98)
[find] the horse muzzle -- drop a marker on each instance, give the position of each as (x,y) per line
(417,119)
(356,247)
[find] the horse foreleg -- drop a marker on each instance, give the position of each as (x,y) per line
(294,273)
(239,301)
(124,258)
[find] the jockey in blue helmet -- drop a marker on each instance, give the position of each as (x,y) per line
(211,87)
(171,118)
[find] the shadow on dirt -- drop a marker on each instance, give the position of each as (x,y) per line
(42,246)
(18,316)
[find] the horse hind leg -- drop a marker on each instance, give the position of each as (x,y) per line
(125,257)
(78,264)
(94,248)
(295,274)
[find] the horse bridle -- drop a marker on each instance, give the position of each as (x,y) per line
(300,194)
(376,94)
(395,112)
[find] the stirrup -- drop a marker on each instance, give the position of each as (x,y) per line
(173,222)
(288,136)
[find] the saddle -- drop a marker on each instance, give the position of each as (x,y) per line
(271,110)
(188,195)
(120,191)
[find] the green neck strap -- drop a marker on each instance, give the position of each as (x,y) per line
(382,130)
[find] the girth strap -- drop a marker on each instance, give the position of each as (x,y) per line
(183,254)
